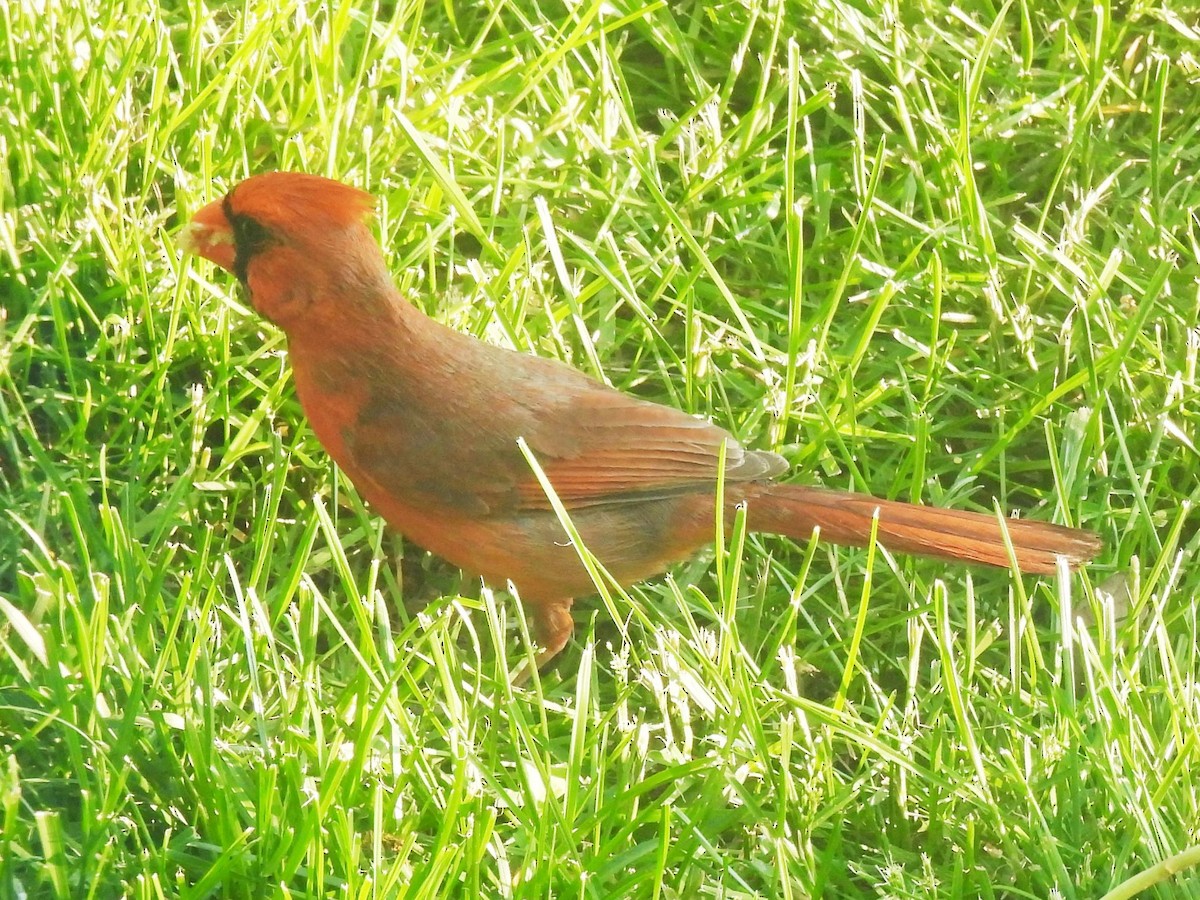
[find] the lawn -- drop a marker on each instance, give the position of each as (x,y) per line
(946,252)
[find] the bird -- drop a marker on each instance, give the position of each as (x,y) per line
(427,423)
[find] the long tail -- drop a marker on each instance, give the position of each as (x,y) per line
(845,518)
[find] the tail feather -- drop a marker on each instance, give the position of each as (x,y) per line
(845,518)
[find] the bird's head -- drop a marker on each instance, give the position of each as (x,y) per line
(296,242)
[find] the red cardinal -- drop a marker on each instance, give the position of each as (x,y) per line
(425,421)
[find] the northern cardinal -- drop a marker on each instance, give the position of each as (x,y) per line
(425,422)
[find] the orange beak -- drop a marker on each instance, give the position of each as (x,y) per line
(209,235)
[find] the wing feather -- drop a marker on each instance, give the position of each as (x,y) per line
(596,445)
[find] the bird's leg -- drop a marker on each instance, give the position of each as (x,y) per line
(552,628)
(552,625)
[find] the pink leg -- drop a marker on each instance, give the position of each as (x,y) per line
(552,626)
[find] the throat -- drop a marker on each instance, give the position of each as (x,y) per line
(353,319)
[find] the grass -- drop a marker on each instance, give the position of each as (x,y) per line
(936,251)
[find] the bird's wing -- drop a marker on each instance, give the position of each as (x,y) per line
(596,446)
(615,448)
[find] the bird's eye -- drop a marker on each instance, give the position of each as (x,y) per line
(249,235)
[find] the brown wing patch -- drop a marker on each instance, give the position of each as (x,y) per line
(596,445)
(634,450)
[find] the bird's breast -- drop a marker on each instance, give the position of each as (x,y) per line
(332,394)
